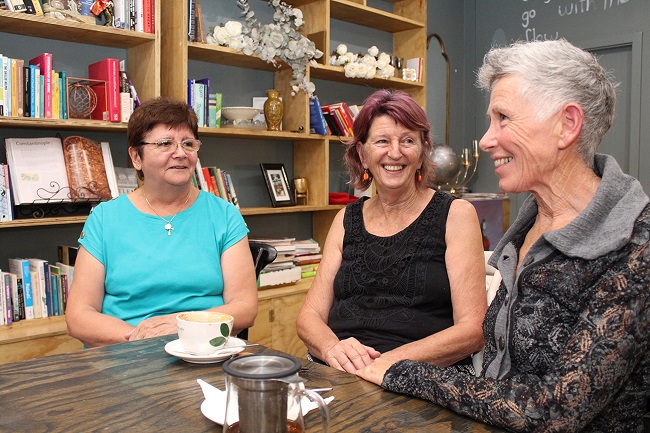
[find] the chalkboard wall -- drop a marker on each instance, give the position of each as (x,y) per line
(613,29)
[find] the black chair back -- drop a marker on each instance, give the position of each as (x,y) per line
(263,254)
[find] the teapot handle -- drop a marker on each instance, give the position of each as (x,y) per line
(324,410)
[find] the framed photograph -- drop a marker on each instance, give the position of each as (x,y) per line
(277,184)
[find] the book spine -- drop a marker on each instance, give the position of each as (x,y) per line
(16,5)
(317,122)
(139,18)
(56,97)
(109,71)
(44,61)
(17,87)
(6,68)
(15,297)
(199,102)
(7,297)
(27,111)
(34,74)
(27,287)
(2,87)
(5,214)
(231,186)
(219,99)
(119,14)
(64,94)
(212,110)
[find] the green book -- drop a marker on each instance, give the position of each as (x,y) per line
(214,110)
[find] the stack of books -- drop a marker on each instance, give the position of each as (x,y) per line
(283,270)
(307,257)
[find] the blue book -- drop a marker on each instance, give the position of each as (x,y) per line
(317,123)
(34,73)
(206,83)
(190,92)
(64,95)
(20,267)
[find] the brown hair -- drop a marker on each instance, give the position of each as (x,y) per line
(159,111)
(404,110)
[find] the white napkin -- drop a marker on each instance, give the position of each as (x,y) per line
(214,405)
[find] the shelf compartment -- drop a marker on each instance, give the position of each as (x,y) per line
(345,10)
(53,221)
(71,31)
(335,73)
(257,134)
(58,124)
(226,56)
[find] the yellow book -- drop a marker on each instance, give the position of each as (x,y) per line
(56,95)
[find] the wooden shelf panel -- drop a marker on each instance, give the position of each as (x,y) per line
(49,221)
(288,209)
(29,329)
(301,286)
(67,124)
(362,15)
(260,134)
(53,221)
(226,56)
(335,73)
(70,31)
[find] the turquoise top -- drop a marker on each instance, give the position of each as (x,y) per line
(149,273)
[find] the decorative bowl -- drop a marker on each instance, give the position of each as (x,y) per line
(238,114)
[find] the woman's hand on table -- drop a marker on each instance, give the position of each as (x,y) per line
(350,355)
(153,327)
(375,372)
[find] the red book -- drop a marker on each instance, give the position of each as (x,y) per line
(348,118)
(107,70)
(209,180)
(147,15)
(44,62)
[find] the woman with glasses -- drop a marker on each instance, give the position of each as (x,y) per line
(165,247)
(402,274)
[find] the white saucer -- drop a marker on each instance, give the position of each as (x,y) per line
(175,348)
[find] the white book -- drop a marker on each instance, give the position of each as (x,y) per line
(37,168)
(199,175)
(282,276)
(39,286)
(120,12)
(3,300)
(16,5)
(20,267)
(139,16)
(127,179)
(6,210)
(110,168)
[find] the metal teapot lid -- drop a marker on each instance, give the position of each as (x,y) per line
(262,366)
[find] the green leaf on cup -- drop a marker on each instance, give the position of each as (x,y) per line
(217,341)
(225,330)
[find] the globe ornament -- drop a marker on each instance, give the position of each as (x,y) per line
(446,164)
(82,101)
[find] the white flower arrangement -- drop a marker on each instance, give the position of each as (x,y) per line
(278,40)
(367,66)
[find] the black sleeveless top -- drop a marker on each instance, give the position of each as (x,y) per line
(393,290)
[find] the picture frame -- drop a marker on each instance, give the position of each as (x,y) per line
(275,177)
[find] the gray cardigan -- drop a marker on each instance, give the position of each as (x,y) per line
(566,337)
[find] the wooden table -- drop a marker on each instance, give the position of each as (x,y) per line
(138,387)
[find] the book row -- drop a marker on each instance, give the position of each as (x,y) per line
(136,15)
(296,259)
(34,288)
(35,89)
(331,119)
(52,170)
(205,103)
(215,181)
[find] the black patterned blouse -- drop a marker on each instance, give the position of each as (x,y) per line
(566,337)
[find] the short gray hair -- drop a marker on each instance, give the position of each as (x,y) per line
(553,74)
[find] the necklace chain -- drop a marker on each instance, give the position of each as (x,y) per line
(168,226)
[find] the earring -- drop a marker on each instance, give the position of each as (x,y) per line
(366,175)
(418,175)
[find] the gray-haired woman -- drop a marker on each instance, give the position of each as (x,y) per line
(566,337)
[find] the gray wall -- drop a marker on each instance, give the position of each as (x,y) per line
(612,29)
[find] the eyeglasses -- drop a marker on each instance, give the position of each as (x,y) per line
(165,145)
(404,143)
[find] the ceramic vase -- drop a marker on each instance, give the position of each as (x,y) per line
(273,109)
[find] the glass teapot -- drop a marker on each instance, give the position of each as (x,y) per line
(264,393)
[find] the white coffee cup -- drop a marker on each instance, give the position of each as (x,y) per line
(203,332)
